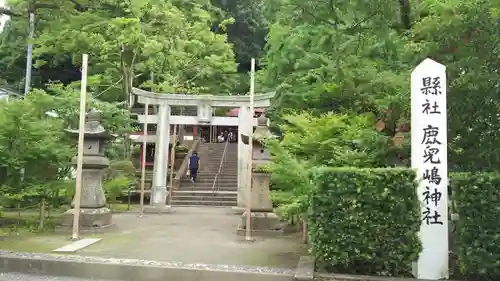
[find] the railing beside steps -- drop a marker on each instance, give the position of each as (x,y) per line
(222,159)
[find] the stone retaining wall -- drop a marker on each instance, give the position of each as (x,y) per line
(133,270)
(143,270)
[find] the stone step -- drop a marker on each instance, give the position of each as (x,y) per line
(211,173)
(205,203)
(203,198)
(212,177)
(207,188)
(211,180)
(217,165)
(208,173)
(221,176)
(196,192)
(227,164)
(230,167)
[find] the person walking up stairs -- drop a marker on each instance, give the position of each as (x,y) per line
(212,157)
(194,164)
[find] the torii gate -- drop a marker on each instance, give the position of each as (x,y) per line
(205,105)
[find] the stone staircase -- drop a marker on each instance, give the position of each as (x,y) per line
(226,187)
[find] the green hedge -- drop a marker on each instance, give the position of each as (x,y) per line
(365,221)
(477,238)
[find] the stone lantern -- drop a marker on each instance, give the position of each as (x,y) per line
(93,210)
(260,153)
(263,219)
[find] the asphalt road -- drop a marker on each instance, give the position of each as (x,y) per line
(29,277)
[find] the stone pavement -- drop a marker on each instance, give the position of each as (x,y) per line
(32,277)
(188,235)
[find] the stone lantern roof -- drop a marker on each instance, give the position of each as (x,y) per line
(262,131)
(93,127)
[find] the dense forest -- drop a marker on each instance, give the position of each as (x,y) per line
(320,56)
(339,68)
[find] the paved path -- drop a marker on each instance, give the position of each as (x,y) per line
(188,234)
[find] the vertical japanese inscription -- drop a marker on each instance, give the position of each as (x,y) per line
(431,197)
(429,159)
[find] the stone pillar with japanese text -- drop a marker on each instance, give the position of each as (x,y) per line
(429,160)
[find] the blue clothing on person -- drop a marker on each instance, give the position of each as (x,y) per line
(193,166)
(193,161)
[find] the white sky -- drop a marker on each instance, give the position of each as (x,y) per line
(3,18)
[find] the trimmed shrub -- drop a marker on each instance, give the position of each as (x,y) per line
(477,202)
(365,221)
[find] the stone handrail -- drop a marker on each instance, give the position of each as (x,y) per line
(184,166)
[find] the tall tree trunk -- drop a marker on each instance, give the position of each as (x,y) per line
(404,13)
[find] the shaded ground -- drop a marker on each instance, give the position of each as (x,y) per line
(188,234)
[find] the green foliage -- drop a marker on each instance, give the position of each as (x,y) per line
(27,138)
(116,187)
(477,199)
(35,150)
(65,102)
(126,42)
(356,57)
(334,139)
(310,141)
(181,148)
(248,30)
(287,205)
(365,221)
(341,57)
(121,168)
(460,34)
(120,176)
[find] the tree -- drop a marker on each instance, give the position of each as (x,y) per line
(33,152)
(248,30)
(127,42)
(127,39)
(356,57)
(311,142)
(463,35)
